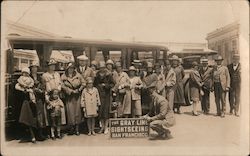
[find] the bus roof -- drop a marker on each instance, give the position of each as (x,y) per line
(62,41)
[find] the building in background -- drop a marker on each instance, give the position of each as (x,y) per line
(225,40)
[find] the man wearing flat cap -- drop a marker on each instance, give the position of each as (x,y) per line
(221,82)
(160,116)
(234,92)
(206,73)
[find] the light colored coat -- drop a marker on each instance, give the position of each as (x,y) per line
(90,100)
(170,79)
(51,81)
(135,87)
(224,77)
(160,84)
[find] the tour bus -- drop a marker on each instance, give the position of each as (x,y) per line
(43,49)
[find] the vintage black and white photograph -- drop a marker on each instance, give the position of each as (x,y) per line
(125,78)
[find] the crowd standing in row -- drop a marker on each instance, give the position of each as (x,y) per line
(83,92)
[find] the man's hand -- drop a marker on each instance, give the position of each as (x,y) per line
(83,109)
(227,89)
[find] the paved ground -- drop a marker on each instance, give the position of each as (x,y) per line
(189,131)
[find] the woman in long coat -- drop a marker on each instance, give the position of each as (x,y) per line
(28,108)
(122,92)
(195,85)
(38,90)
(72,83)
(179,88)
(104,83)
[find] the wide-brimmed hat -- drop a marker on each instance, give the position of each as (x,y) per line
(137,62)
(132,68)
(194,63)
(82,57)
(175,57)
(52,62)
(102,64)
(218,58)
(204,60)
(109,61)
(34,64)
(94,62)
(89,80)
(25,70)
(157,65)
(152,85)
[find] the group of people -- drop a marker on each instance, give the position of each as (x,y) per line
(219,79)
(84,93)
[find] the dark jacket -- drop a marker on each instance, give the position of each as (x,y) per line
(235,75)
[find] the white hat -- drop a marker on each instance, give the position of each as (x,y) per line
(34,63)
(82,57)
(175,57)
(150,65)
(26,69)
(132,68)
(109,62)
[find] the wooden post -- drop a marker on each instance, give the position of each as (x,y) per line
(123,58)
(128,60)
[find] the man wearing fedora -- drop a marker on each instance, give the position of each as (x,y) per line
(221,79)
(160,116)
(206,73)
(234,92)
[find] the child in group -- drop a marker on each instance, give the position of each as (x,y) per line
(57,113)
(26,83)
(90,101)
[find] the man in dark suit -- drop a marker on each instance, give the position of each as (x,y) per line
(234,92)
(206,73)
(160,116)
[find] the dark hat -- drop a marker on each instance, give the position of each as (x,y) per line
(70,65)
(218,58)
(52,61)
(167,62)
(152,85)
(194,63)
(237,56)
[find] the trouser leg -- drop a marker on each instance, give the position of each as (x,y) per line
(207,100)
(170,98)
(217,95)
(157,127)
(237,99)
(223,101)
(231,99)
